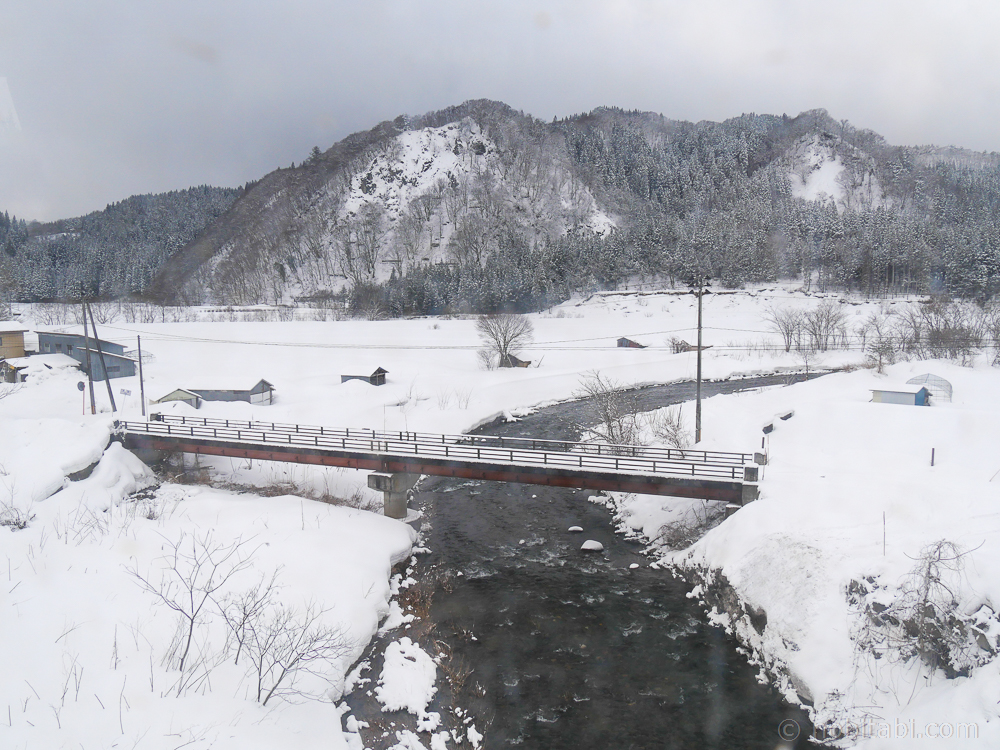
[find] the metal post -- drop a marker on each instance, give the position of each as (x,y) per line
(142,389)
(90,372)
(697,407)
(100,354)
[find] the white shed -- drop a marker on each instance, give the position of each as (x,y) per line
(908,395)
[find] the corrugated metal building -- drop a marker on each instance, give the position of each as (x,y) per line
(376,378)
(909,395)
(261,393)
(184,396)
(625,343)
(75,346)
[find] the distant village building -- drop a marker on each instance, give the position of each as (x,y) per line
(625,343)
(376,378)
(261,393)
(20,369)
(680,346)
(909,395)
(190,398)
(75,345)
(11,339)
(509,360)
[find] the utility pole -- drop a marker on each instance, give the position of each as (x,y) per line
(142,388)
(90,372)
(104,366)
(697,407)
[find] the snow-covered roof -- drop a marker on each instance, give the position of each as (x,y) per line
(95,353)
(176,395)
(901,388)
(240,385)
(39,361)
(12,326)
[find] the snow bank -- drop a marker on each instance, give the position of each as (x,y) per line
(94,648)
(849,494)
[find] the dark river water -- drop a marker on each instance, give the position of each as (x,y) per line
(574,649)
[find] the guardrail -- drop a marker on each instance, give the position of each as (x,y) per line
(472,449)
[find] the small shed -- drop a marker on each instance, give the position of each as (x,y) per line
(11,339)
(624,343)
(938,387)
(376,378)
(908,395)
(19,369)
(261,393)
(184,396)
(509,360)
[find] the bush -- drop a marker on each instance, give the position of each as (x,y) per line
(923,618)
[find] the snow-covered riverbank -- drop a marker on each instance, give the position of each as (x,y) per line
(92,652)
(849,499)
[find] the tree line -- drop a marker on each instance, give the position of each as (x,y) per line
(514,224)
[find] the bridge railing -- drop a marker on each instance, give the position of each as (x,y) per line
(464,448)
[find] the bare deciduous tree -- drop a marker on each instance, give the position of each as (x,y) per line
(241,610)
(282,643)
(667,425)
(823,324)
(197,567)
(786,322)
(613,407)
(504,335)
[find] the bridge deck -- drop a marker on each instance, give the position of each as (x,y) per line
(667,471)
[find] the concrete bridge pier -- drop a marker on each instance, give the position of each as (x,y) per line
(394,488)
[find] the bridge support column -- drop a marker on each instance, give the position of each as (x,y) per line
(394,489)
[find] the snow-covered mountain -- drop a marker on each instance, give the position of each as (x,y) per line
(482,207)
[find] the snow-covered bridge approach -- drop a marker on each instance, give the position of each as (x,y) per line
(710,475)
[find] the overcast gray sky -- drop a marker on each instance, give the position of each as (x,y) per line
(118,97)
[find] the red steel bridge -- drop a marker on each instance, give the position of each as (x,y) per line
(710,475)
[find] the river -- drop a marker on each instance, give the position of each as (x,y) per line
(578,650)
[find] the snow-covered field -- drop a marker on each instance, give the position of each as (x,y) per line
(92,648)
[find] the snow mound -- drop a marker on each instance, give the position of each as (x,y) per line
(407,680)
(591,546)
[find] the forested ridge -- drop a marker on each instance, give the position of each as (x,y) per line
(481,208)
(106,254)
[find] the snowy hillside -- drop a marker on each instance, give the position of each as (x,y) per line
(420,165)
(455,155)
(820,174)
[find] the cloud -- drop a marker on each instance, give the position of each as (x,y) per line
(8,114)
(136,97)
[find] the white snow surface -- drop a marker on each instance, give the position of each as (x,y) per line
(819,175)
(84,647)
(416,162)
(407,679)
(834,469)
